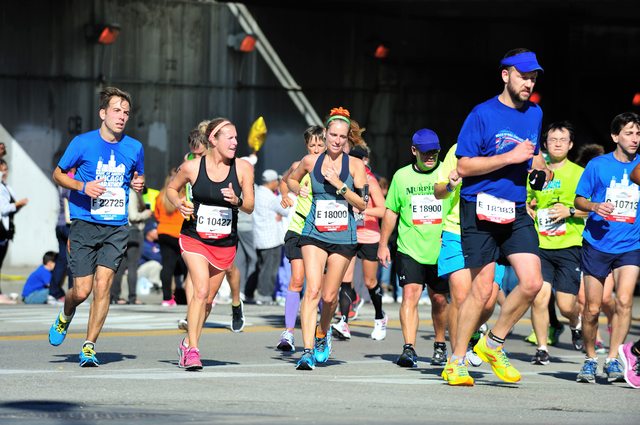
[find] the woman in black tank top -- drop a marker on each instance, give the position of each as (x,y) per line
(220,185)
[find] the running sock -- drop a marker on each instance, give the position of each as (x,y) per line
(291,305)
(345,299)
(636,348)
(376,299)
(456,360)
(64,317)
(235,305)
(493,341)
(90,343)
(553,317)
(320,333)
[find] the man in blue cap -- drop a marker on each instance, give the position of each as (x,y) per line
(497,146)
(411,197)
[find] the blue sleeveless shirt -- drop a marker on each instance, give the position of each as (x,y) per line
(330,218)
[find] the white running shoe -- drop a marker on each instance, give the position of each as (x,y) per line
(183,325)
(380,328)
(473,359)
(341,329)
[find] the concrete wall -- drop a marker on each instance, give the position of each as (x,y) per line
(35,222)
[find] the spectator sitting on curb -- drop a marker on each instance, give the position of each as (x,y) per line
(36,288)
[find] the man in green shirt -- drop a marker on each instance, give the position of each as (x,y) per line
(559,227)
(411,199)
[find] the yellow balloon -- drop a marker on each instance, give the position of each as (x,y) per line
(257,134)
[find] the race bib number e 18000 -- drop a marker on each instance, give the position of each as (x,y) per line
(110,206)
(331,216)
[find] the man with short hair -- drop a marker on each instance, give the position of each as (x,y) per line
(559,227)
(611,241)
(268,237)
(107,163)
(497,145)
(411,199)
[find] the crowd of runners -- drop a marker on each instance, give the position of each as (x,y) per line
(505,198)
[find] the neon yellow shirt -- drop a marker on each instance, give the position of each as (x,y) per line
(452,216)
(410,196)
(561,189)
(302,208)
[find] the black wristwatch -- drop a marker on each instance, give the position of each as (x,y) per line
(239,202)
(572,211)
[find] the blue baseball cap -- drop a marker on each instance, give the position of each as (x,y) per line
(523,62)
(426,140)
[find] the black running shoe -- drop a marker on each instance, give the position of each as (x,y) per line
(237,318)
(439,357)
(408,358)
(576,339)
(541,357)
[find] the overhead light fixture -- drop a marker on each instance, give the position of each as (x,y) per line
(242,42)
(535,97)
(104,34)
(381,52)
(636,99)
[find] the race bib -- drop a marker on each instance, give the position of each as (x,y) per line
(495,210)
(625,200)
(213,222)
(426,209)
(110,205)
(546,226)
(332,216)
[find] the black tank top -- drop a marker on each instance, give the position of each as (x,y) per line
(216,220)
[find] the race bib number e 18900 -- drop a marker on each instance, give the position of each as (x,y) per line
(494,209)
(331,216)
(213,222)
(426,209)
(110,206)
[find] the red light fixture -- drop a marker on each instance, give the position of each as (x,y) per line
(636,99)
(535,97)
(381,52)
(109,34)
(242,42)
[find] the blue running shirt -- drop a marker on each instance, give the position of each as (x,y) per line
(613,236)
(94,158)
(492,128)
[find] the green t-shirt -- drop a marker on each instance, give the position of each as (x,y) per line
(410,196)
(561,189)
(302,208)
(452,215)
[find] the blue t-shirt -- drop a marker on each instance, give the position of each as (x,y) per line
(39,279)
(493,128)
(95,158)
(607,236)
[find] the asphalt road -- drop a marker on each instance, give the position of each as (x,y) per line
(246,381)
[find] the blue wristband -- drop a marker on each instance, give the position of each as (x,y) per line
(449,188)
(84,185)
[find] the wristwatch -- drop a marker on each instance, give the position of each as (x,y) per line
(572,211)
(342,190)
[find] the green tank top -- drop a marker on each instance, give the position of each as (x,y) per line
(303,206)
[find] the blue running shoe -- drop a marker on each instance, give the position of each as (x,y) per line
(306,362)
(613,370)
(588,372)
(58,330)
(322,348)
(88,356)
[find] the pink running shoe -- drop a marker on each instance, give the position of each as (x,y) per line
(631,364)
(168,303)
(192,359)
(182,353)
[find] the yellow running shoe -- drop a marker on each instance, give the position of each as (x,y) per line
(498,360)
(457,374)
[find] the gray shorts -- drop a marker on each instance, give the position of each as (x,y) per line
(92,245)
